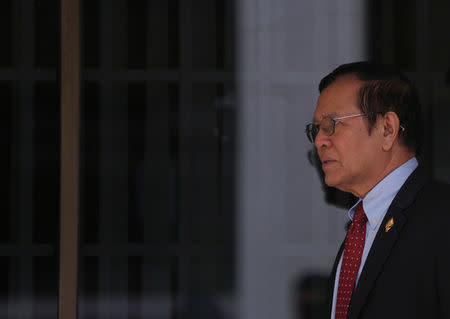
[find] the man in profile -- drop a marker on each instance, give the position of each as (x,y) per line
(395,259)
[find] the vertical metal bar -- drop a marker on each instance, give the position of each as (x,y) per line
(119,107)
(104,303)
(229,21)
(185,153)
(67,308)
(24,21)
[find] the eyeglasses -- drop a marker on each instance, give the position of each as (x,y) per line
(327,125)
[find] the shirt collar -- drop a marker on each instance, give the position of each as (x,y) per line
(379,198)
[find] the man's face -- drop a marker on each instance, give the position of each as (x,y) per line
(351,159)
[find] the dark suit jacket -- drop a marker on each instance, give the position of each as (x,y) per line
(407,272)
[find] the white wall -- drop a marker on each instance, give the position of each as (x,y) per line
(284,227)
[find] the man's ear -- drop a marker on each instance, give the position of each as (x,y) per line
(390,127)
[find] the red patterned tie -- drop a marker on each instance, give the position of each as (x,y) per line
(354,246)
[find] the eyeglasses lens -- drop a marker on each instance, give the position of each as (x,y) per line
(327,125)
(311,132)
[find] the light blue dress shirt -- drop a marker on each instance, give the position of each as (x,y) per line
(376,204)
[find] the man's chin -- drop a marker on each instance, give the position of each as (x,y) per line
(333,183)
(329,181)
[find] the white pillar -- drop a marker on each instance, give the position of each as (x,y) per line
(285,228)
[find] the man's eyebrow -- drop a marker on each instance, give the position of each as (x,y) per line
(330,114)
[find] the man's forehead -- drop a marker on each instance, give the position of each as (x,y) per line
(339,98)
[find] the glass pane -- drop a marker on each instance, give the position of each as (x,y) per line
(152,34)
(151,287)
(212,165)
(210,284)
(130,34)
(90,22)
(45,276)
(6,134)
(208,34)
(157,172)
(46,164)
(6,33)
(88,289)
(128,160)
(89,169)
(137,33)
(144,34)
(138,287)
(46,23)
(151,162)
(104,163)
(211,275)
(405,36)
(30,165)
(152,31)
(163,38)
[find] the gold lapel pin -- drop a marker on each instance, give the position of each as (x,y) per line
(389,224)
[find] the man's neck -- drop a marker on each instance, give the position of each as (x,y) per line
(394,162)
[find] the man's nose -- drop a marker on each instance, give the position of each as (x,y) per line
(322,140)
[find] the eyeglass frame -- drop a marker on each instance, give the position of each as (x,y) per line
(335,120)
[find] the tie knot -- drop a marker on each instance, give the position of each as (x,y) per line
(359,213)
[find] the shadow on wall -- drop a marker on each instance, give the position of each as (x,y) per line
(333,196)
(310,296)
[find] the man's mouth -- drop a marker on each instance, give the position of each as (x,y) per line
(327,162)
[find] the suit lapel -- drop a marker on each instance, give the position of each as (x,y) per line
(378,254)
(384,241)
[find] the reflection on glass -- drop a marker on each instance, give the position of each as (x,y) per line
(127,287)
(28,287)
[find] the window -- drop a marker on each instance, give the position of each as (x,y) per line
(156,163)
